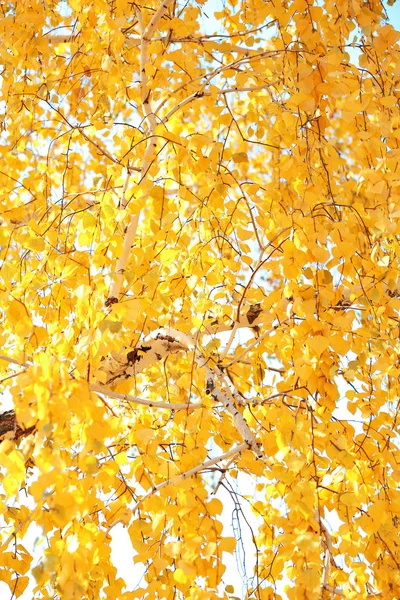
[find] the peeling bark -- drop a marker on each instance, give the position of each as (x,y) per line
(9,428)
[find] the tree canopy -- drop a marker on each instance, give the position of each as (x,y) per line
(199,287)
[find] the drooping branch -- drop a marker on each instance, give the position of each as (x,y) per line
(157,346)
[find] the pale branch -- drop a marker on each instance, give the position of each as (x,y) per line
(126,248)
(252,345)
(230,341)
(164,341)
(227,399)
(185,475)
(158,346)
(123,260)
(155,347)
(136,400)
(123,201)
(223,474)
(201,93)
(150,121)
(156,18)
(145,92)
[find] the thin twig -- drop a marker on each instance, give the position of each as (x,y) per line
(251,346)
(13,361)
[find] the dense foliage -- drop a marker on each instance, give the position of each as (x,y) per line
(199,287)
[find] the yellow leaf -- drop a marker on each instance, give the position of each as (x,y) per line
(180,576)
(19,585)
(240,157)
(318,344)
(227,544)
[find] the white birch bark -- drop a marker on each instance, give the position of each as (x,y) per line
(158,346)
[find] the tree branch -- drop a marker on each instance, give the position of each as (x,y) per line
(149,118)
(162,343)
(201,93)
(204,465)
(135,400)
(155,347)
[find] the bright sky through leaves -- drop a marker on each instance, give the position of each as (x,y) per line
(199,287)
